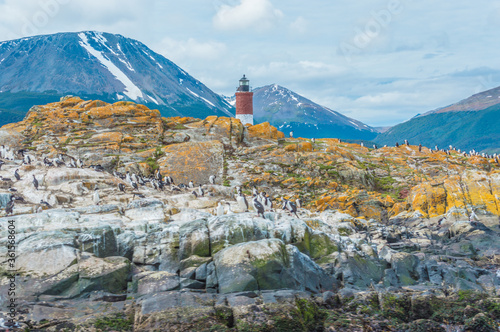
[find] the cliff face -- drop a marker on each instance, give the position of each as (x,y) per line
(405,237)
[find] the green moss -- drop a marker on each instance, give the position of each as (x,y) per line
(116,322)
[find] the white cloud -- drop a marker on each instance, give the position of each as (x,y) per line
(177,50)
(255,14)
(299,26)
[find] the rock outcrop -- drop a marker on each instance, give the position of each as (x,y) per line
(406,238)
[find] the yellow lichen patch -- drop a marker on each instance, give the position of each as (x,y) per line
(194,161)
(107,138)
(264,130)
(305,147)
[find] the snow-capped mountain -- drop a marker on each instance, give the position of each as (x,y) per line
(290,111)
(105,66)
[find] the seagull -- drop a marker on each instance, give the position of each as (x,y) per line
(16,174)
(35,182)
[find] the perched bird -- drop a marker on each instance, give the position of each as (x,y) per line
(242,202)
(313,140)
(258,207)
(220,210)
(121,187)
(255,191)
(420,148)
(35,182)
(298,202)
(194,193)
(96,197)
(291,134)
(27,159)
(79,163)
(212,179)
(291,207)
(201,192)
(16,174)
(47,162)
(191,184)
(268,204)
(9,208)
(406,142)
(1,163)
(42,202)
(134,185)
(397,144)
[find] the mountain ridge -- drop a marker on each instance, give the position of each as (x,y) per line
(109,66)
(290,111)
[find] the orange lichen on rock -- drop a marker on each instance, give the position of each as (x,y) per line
(264,130)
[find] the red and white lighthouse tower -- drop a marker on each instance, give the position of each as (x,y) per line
(244,102)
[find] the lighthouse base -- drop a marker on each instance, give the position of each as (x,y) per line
(245,118)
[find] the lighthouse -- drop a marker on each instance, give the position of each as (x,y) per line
(244,102)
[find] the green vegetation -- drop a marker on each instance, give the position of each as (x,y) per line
(116,322)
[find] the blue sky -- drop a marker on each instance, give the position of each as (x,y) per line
(378,61)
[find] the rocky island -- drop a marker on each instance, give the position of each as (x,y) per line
(384,239)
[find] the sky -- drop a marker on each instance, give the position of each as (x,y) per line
(378,61)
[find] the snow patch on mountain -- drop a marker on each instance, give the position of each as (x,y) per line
(131,90)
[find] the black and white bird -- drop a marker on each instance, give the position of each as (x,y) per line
(268,204)
(420,148)
(212,179)
(313,140)
(35,182)
(121,187)
(258,206)
(242,202)
(291,134)
(201,192)
(9,208)
(397,144)
(134,185)
(191,184)
(1,164)
(79,163)
(59,161)
(298,202)
(220,210)
(406,142)
(194,193)
(47,162)
(16,174)
(42,202)
(27,159)
(255,191)
(96,197)
(291,207)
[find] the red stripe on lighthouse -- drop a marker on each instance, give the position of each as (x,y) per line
(244,103)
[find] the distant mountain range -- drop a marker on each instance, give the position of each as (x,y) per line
(41,69)
(473,123)
(289,111)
